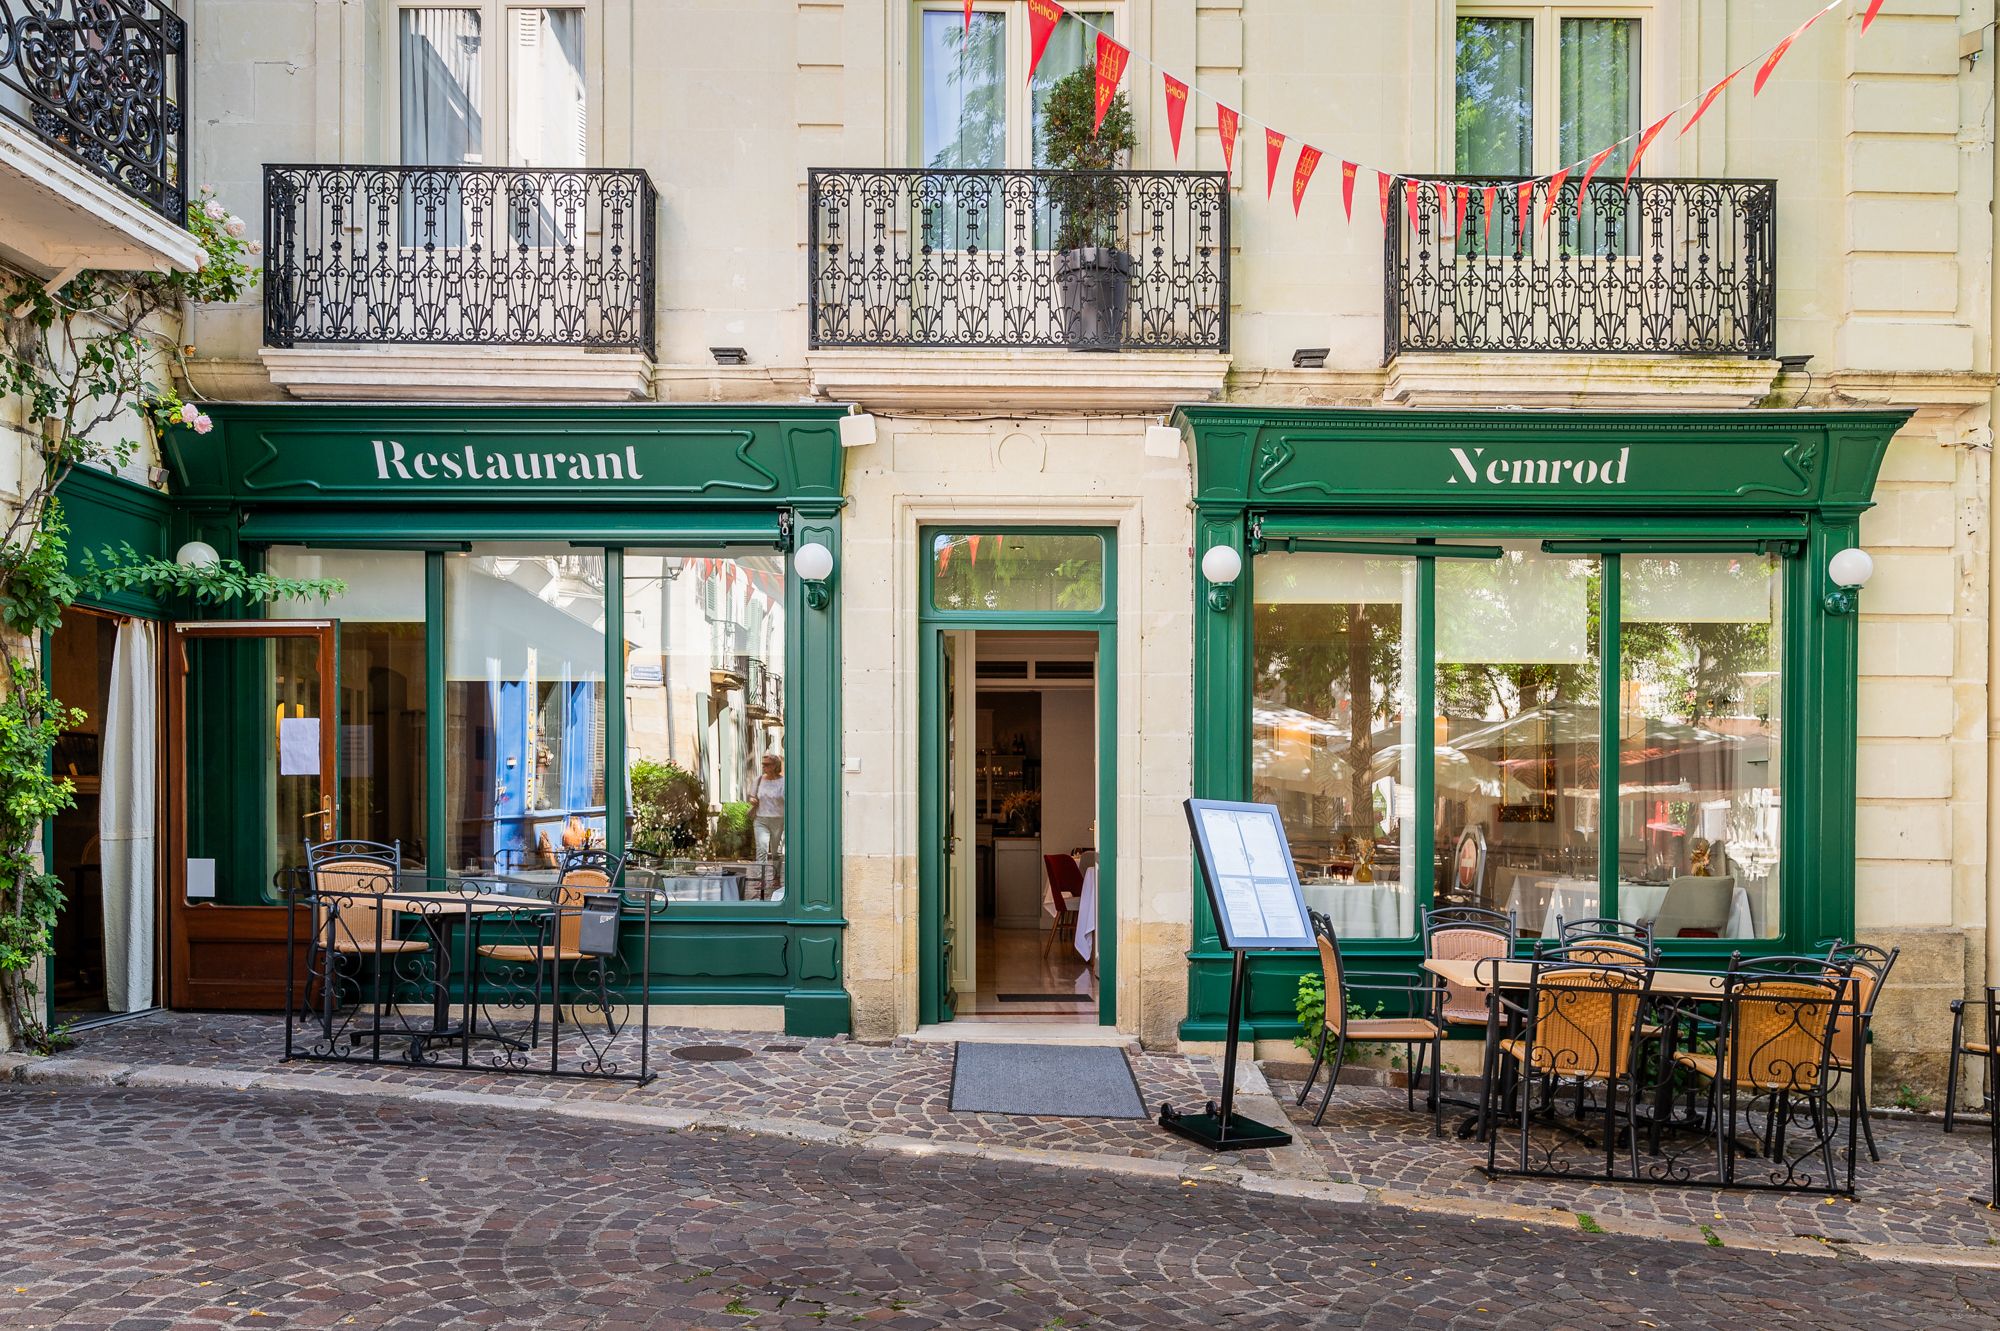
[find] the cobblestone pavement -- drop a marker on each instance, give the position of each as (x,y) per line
(1916,1198)
(147,1210)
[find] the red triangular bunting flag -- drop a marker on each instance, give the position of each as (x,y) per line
(1486,198)
(972,550)
(1226,122)
(1524,202)
(1383,179)
(1778,52)
(1043,15)
(1464,197)
(1111,58)
(968,22)
(1874,6)
(1443,188)
(944,557)
(1412,192)
(1645,142)
(1176,109)
(1556,183)
(1596,162)
(1348,170)
(1274,148)
(1707,101)
(1302,173)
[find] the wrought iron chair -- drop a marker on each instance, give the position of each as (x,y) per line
(1982,1043)
(352,924)
(1627,936)
(1774,1049)
(1464,933)
(1581,1023)
(1870,966)
(1343,1029)
(586,881)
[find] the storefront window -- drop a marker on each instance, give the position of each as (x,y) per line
(1334,738)
(1517,728)
(524,705)
(1023,571)
(1700,697)
(383,710)
(705,723)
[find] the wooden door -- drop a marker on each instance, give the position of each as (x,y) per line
(251,740)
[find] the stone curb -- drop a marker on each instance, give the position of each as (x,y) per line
(1296,1184)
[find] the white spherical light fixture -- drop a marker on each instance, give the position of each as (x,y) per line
(1221,566)
(197,554)
(814,563)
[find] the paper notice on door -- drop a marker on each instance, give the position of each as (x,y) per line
(200,879)
(298,746)
(1279,902)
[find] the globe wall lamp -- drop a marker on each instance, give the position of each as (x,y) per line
(1849,572)
(1221,566)
(814,563)
(197,554)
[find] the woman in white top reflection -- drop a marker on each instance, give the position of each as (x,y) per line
(767,799)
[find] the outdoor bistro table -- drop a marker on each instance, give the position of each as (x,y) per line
(436,909)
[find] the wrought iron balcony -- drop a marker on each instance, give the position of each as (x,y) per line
(459,256)
(938,258)
(1667,267)
(105,82)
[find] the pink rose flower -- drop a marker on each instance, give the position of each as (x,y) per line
(202,424)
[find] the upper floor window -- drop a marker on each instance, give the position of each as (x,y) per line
(459,67)
(1541,86)
(974,105)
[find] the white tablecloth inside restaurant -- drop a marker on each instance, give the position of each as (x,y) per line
(1086,915)
(1559,899)
(1360,910)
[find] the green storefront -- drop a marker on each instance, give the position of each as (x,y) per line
(561,627)
(1563,665)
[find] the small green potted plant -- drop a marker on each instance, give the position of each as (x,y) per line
(1093,274)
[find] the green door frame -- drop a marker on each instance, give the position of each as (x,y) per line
(1790,481)
(931,623)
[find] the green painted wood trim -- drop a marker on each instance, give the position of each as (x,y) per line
(1107,804)
(1743,530)
(615,756)
(105,511)
(403,528)
(818,1003)
(930,822)
(1424,703)
(1610,700)
(1390,549)
(437,816)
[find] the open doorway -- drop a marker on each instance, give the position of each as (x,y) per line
(1023,717)
(80,656)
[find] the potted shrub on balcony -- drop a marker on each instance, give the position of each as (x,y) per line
(1092,273)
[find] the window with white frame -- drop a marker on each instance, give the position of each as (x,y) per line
(1542,86)
(492,84)
(972,104)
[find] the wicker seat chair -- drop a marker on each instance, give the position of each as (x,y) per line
(1581,1023)
(353,930)
(1774,1044)
(581,876)
(1614,936)
(1869,966)
(1981,1043)
(1414,1033)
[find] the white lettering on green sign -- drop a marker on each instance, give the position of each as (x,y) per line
(1477,469)
(472,463)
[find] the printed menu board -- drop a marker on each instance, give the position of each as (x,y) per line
(1251,881)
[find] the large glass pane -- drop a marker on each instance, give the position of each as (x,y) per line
(1495,114)
(442,93)
(383,705)
(545,87)
(1700,696)
(964,92)
(524,706)
(1018,571)
(1598,105)
(1334,740)
(1517,735)
(705,723)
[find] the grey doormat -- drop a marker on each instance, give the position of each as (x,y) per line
(1051,1080)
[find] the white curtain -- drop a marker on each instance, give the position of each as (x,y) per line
(127,817)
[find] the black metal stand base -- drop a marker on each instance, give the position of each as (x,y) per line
(1210,1129)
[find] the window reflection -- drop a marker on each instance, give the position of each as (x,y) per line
(1333,737)
(705,723)
(1517,735)
(1699,701)
(524,698)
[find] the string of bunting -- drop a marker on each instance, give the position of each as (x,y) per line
(1113,58)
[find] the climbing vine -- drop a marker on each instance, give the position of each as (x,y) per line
(87,369)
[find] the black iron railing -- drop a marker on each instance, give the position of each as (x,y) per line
(1671,267)
(104,81)
(930,258)
(469,256)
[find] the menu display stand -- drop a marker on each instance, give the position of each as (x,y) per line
(1254,890)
